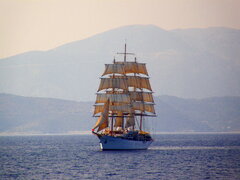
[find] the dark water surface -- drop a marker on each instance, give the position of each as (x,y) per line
(183,156)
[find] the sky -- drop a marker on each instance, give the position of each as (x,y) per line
(27,25)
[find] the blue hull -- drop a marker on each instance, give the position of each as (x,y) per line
(118,143)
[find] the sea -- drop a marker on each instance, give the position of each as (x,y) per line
(171,156)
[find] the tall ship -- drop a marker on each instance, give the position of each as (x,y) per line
(124,101)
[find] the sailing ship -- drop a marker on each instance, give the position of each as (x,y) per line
(124,101)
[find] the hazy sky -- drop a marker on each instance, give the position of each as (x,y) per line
(44,24)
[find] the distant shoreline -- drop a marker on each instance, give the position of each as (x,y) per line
(89,133)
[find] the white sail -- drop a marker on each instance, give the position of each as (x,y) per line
(119,83)
(113,98)
(138,82)
(102,122)
(134,67)
(141,106)
(114,68)
(114,108)
(141,96)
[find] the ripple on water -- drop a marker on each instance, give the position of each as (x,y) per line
(79,157)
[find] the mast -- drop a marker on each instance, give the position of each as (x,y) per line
(125,53)
(141,117)
(125,49)
(113,89)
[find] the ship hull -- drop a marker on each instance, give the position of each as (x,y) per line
(118,143)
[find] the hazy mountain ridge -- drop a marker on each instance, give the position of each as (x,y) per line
(43,115)
(46,115)
(223,42)
(191,63)
(213,114)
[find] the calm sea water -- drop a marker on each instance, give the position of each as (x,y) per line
(199,156)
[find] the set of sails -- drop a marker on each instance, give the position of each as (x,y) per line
(124,91)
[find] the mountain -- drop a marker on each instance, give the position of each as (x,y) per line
(187,63)
(20,114)
(215,114)
(43,115)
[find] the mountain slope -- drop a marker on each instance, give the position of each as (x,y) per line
(45,115)
(209,114)
(191,63)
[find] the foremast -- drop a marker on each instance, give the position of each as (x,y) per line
(123,95)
